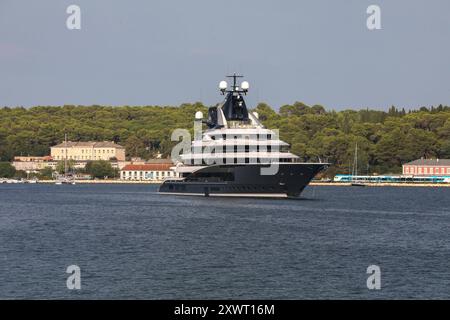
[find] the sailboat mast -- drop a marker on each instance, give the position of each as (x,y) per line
(65,155)
(356,181)
(355,163)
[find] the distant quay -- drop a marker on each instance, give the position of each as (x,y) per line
(106,182)
(381,184)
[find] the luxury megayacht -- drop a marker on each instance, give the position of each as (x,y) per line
(237,156)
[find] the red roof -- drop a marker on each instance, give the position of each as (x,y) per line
(148,167)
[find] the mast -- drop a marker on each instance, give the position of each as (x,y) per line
(235,86)
(233,107)
(355,162)
(65,155)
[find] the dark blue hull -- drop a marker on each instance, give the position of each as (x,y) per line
(245,180)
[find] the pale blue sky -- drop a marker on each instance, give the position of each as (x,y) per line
(169,52)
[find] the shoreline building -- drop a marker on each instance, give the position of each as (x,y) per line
(147,172)
(33,163)
(427,167)
(88,151)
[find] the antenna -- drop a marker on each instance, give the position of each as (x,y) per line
(235,88)
(235,76)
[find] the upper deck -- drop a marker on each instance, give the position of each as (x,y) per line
(234,134)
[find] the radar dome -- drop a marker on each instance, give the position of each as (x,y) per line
(199,115)
(223,85)
(245,85)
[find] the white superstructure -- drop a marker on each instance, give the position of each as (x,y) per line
(240,141)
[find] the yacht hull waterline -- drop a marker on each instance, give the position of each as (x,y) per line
(245,180)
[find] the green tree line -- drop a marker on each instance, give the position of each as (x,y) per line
(386,139)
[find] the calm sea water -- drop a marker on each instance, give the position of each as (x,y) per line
(131,242)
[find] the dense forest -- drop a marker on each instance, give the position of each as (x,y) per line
(385,139)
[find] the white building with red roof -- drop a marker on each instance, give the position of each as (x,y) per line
(147,172)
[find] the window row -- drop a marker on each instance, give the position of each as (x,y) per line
(148,174)
(421,170)
(234,136)
(246,148)
(88,151)
(211,161)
